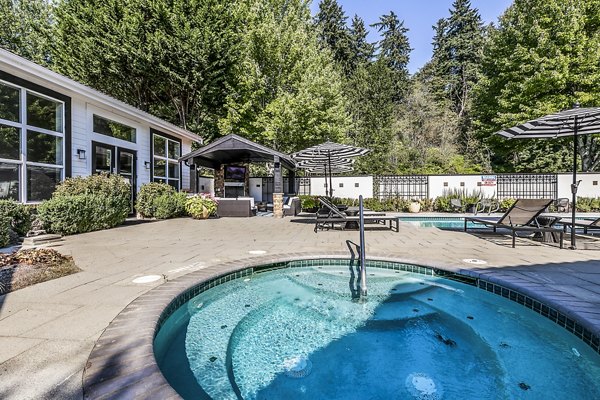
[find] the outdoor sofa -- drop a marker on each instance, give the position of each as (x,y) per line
(236,207)
(523,216)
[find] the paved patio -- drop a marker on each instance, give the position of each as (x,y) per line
(47,331)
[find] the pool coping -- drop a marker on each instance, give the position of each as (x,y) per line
(123,365)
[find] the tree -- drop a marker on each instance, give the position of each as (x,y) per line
(26,28)
(173,58)
(333,33)
(289,95)
(361,50)
(394,50)
(370,93)
(542,58)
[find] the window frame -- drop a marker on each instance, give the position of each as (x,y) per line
(25,88)
(166,178)
(135,130)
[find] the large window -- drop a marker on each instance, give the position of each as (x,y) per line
(166,152)
(32,148)
(117,130)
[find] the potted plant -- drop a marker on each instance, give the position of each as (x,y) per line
(201,206)
(414,206)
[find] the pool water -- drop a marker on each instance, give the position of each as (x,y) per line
(453,223)
(300,333)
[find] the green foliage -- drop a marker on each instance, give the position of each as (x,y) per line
(199,205)
(588,204)
(172,58)
(542,58)
(361,50)
(371,94)
(506,203)
(4,230)
(442,203)
(289,95)
(79,213)
(308,202)
(334,34)
(159,200)
(19,216)
(394,50)
(26,28)
(170,205)
(86,204)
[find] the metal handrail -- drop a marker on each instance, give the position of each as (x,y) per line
(363,266)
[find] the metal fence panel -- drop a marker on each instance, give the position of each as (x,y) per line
(401,186)
(302,186)
(528,186)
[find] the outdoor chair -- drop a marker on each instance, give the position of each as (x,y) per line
(329,215)
(457,205)
(522,216)
(582,223)
(491,205)
(562,204)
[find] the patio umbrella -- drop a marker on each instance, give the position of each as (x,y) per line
(328,156)
(573,122)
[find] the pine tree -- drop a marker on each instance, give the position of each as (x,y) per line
(334,34)
(394,50)
(362,51)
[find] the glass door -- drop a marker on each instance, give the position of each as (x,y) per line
(115,160)
(126,168)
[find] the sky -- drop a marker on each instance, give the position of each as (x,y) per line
(419,16)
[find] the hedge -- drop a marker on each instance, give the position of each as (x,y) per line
(161,201)
(86,204)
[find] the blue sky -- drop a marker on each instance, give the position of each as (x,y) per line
(419,16)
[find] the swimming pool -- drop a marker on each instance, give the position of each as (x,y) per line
(302,333)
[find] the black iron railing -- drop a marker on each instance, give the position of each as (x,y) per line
(401,186)
(527,186)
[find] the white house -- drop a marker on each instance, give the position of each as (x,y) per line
(52,127)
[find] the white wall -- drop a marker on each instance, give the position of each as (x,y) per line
(586,187)
(349,189)
(208,184)
(438,184)
(255,189)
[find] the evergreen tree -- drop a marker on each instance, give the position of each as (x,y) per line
(370,93)
(26,28)
(290,93)
(542,58)
(173,58)
(333,33)
(394,50)
(362,51)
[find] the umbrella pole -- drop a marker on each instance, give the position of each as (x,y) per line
(574,187)
(330,181)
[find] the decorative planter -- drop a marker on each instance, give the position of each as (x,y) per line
(414,207)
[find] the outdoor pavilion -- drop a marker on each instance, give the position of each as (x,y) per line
(235,150)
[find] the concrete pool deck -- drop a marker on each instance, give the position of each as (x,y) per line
(48,330)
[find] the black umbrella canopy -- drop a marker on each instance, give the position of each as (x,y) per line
(328,156)
(573,122)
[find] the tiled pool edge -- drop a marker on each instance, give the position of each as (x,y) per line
(123,364)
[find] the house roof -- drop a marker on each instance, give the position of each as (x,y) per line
(233,148)
(25,69)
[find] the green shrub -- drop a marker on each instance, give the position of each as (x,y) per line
(19,215)
(4,228)
(146,199)
(506,203)
(195,205)
(588,204)
(308,202)
(86,204)
(169,205)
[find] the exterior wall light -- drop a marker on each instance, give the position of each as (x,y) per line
(81,154)
(147,164)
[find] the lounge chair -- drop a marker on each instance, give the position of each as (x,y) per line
(329,215)
(585,224)
(457,205)
(521,217)
(491,205)
(562,204)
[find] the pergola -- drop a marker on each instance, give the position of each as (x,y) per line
(232,149)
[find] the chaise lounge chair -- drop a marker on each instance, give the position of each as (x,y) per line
(522,216)
(585,224)
(329,215)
